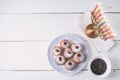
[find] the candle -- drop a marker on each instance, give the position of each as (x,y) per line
(101,19)
(110,37)
(102,23)
(105,26)
(106,30)
(97,17)
(98,11)
(97,5)
(108,33)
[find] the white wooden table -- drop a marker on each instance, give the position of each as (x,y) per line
(28,26)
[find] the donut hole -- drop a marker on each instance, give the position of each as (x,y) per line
(69,52)
(65,43)
(70,63)
(77,47)
(60,58)
(57,50)
(79,55)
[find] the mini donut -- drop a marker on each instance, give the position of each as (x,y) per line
(64,43)
(76,47)
(78,57)
(60,60)
(69,65)
(56,51)
(68,53)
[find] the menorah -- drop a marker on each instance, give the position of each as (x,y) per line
(99,26)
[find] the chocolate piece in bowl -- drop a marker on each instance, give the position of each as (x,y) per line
(98,66)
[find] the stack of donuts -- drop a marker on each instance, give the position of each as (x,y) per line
(101,21)
(68,54)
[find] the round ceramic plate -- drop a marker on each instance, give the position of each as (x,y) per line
(73,38)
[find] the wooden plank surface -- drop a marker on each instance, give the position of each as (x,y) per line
(28,26)
(53,6)
(23,75)
(24,55)
(37,27)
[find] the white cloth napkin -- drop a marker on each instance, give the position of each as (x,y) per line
(99,44)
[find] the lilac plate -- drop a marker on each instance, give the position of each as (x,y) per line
(74,38)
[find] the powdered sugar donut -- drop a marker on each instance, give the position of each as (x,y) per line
(68,53)
(56,51)
(78,57)
(69,65)
(76,47)
(64,43)
(60,60)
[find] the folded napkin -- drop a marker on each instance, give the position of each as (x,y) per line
(99,44)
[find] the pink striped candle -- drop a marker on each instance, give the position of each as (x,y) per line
(97,5)
(98,11)
(100,20)
(108,33)
(97,17)
(106,30)
(110,37)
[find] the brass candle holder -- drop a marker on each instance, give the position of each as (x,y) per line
(93,30)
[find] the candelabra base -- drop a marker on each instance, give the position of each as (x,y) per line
(90,31)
